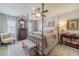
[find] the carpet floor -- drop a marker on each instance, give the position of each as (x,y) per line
(12,50)
(17,50)
(63,50)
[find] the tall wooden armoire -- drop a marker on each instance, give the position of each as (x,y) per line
(22,30)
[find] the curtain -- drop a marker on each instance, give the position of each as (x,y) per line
(3,23)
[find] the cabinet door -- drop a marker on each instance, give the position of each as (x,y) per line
(22,34)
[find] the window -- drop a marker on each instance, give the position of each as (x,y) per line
(30,27)
(12,27)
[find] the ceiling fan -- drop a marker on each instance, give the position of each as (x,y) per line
(38,13)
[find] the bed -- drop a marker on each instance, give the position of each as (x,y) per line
(50,40)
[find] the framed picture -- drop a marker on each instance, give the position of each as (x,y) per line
(51,24)
(72,24)
(78,24)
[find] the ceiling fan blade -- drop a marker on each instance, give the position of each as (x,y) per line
(44,15)
(45,11)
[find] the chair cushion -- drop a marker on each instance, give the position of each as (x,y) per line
(7,40)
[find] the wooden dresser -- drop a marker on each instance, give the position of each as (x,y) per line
(22,34)
(22,30)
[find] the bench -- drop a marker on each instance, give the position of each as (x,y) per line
(30,47)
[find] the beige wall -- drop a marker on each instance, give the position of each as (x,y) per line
(45,23)
(69,16)
(62,20)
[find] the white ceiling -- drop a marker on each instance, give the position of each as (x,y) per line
(16,9)
(56,9)
(19,9)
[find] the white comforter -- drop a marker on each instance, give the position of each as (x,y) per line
(51,40)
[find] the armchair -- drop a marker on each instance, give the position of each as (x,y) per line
(7,38)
